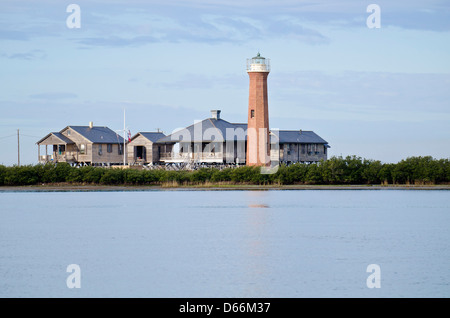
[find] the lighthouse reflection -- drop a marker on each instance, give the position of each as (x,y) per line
(256,249)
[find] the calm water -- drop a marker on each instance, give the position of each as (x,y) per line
(299,243)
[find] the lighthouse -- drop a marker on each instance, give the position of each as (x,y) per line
(258,150)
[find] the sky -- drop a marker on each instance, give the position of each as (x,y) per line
(377,93)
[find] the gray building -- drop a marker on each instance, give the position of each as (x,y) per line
(82,145)
(142,148)
(210,141)
(217,141)
(298,146)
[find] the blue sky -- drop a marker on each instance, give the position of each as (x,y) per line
(377,93)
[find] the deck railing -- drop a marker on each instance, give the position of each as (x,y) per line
(56,157)
(187,156)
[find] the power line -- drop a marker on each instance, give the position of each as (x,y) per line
(8,136)
(18,148)
(30,136)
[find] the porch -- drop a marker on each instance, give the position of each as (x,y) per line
(179,157)
(62,149)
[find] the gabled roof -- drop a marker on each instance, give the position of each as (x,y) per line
(97,134)
(208,130)
(152,136)
(212,129)
(58,136)
(299,137)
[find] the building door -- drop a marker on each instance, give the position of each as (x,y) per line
(139,152)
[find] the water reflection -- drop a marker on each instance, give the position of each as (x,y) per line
(258,206)
(255,247)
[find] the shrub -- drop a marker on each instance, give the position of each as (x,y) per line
(112,176)
(336,170)
(201,175)
(91,174)
(23,175)
(221,175)
(3,171)
(244,174)
(132,176)
(314,174)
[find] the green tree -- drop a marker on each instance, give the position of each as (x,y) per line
(62,171)
(201,175)
(385,173)
(92,174)
(371,171)
(333,170)
(297,172)
(314,174)
(3,171)
(113,176)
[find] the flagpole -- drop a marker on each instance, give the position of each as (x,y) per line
(124,132)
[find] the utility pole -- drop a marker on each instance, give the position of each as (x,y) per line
(124,137)
(18,148)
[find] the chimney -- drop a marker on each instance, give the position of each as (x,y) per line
(215,114)
(91,124)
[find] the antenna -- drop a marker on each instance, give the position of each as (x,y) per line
(18,148)
(124,138)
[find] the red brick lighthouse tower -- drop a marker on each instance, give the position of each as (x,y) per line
(258,69)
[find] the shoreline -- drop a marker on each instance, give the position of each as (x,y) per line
(210,187)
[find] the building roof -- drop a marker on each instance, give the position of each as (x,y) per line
(63,139)
(299,137)
(211,129)
(208,130)
(97,134)
(152,136)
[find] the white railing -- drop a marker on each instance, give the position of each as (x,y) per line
(56,157)
(186,156)
(45,158)
(263,66)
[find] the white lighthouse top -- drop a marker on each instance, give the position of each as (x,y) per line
(258,64)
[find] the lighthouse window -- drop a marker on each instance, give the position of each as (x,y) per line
(252,113)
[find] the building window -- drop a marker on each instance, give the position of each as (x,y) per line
(120,149)
(324,150)
(68,132)
(288,148)
(252,113)
(82,149)
(109,148)
(100,149)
